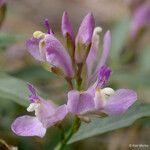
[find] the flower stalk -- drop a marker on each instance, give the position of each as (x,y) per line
(70,84)
(78,76)
(73,129)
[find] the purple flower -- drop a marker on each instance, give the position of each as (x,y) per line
(47,25)
(104,74)
(47,114)
(84,38)
(93,53)
(141,18)
(119,102)
(86,30)
(33,48)
(93,58)
(80,102)
(47,49)
(97,99)
(79,62)
(57,55)
(66,27)
(106,49)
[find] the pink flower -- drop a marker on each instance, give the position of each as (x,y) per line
(47,114)
(141,18)
(99,99)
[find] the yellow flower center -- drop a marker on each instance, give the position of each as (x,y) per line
(39,34)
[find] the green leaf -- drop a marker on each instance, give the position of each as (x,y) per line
(133,79)
(6,39)
(103,125)
(34,73)
(13,89)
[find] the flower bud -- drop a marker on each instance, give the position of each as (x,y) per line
(68,34)
(141,19)
(66,26)
(91,59)
(84,38)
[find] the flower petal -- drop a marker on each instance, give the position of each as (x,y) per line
(46,109)
(48,27)
(43,108)
(32,89)
(66,26)
(120,102)
(58,115)
(57,56)
(80,102)
(103,76)
(93,53)
(86,30)
(33,97)
(106,49)
(105,53)
(28,126)
(33,48)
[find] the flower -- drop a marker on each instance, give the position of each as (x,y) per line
(86,30)
(84,38)
(91,58)
(99,99)
(67,31)
(141,18)
(66,27)
(47,114)
(81,62)
(93,61)
(46,48)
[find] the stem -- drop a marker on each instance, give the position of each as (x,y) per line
(79,79)
(6,145)
(74,128)
(69,81)
(62,131)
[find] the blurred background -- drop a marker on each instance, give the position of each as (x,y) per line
(129,58)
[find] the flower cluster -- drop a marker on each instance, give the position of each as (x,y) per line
(79,61)
(2,2)
(140,16)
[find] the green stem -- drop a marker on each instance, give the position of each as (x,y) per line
(78,76)
(73,129)
(69,81)
(62,131)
